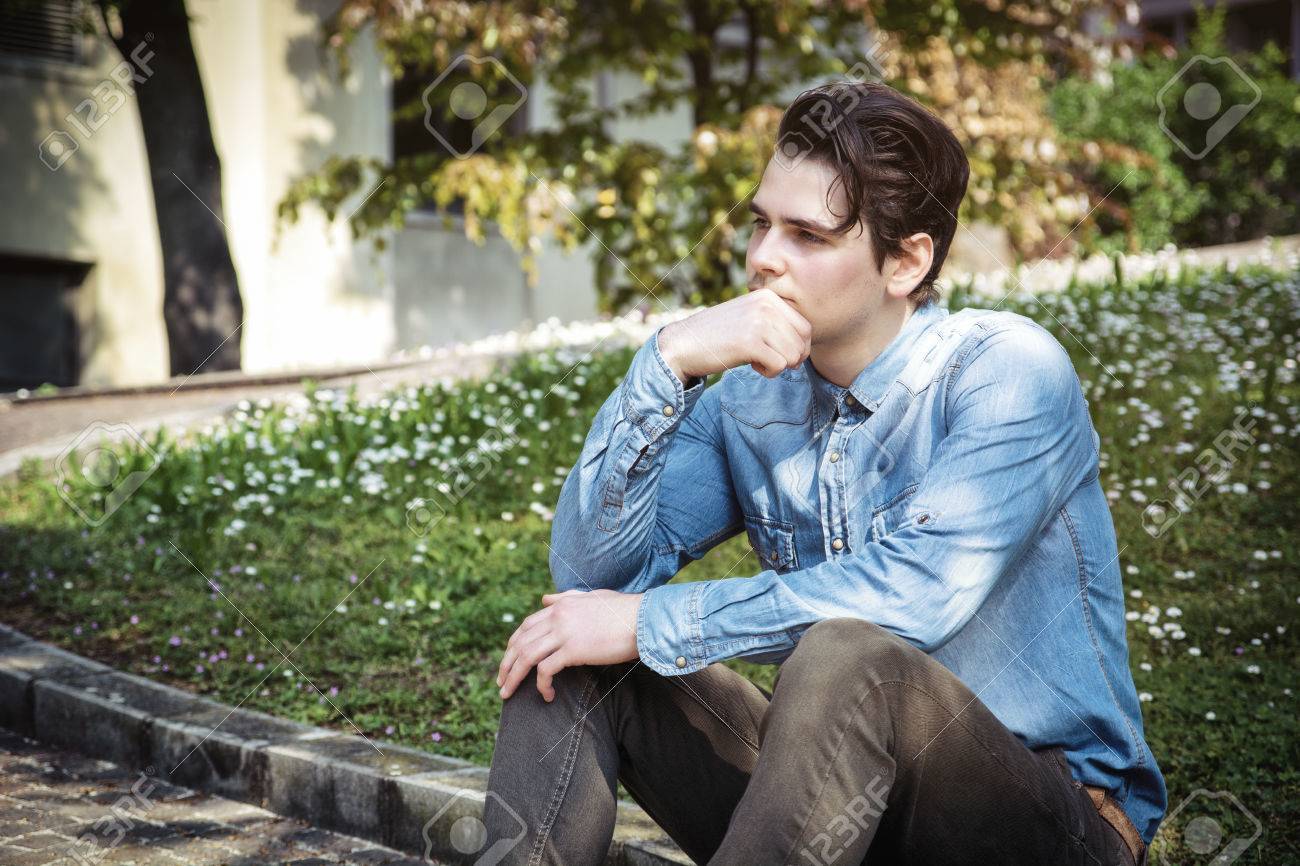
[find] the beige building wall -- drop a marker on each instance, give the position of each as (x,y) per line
(95,208)
(312,295)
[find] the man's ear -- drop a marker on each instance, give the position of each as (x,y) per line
(911,264)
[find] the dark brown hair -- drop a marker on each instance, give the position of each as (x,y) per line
(901,168)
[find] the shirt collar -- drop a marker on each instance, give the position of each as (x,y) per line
(870,385)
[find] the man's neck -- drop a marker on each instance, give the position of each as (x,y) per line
(841,362)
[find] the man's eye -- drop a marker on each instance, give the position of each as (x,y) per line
(809,237)
(759,222)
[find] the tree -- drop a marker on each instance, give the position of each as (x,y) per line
(202,307)
(670,222)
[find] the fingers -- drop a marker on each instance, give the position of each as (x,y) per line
(522,635)
(526,660)
(788,345)
(547,668)
(785,349)
(801,326)
(768,361)
(782,329)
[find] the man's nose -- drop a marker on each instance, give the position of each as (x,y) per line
(765,257)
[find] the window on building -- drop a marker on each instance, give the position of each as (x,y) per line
(49,31)
(40,341)
(1248,25)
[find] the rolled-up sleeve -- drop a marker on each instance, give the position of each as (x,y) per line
(1019,442)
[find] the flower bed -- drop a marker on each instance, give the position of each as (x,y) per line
(388,546)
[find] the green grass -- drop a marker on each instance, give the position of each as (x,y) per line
(292,509)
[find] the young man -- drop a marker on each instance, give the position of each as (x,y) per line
(941,584)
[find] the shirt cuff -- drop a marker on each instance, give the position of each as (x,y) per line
(654,399)
(668,638)
(683,627)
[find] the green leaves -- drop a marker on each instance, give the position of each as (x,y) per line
(726,67)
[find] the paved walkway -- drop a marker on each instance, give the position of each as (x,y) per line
(57,807)
(44,429)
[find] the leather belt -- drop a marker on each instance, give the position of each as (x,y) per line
(1115,817)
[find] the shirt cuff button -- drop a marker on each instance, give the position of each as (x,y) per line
(681,661)
(668,410)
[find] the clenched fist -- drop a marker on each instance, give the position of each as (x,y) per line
(759,329)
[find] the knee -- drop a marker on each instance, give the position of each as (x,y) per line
(573,686)
(843,647)
(526,698)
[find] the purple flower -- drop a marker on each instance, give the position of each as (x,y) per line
(250,658)
(77,630)
(239,632)
(297,578)
(174,640)
(135,620)
(436,736)
(198,669)
(388,731)
(260,666)
(352,578)
(334,690)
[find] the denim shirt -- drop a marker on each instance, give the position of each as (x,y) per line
(951,495)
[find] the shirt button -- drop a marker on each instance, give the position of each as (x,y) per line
(838,543)
(668,410)
(850,400)
(681,661)
(835,456)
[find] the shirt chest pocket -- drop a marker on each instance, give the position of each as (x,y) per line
(773,542)
(893,514)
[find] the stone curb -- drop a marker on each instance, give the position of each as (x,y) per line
(209,381)
(396,796)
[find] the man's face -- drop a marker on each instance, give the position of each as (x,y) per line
(831,280)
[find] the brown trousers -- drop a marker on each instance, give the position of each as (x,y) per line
(867,751)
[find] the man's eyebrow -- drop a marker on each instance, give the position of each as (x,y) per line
(797,222)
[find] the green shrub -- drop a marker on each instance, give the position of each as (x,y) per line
(1247,186)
